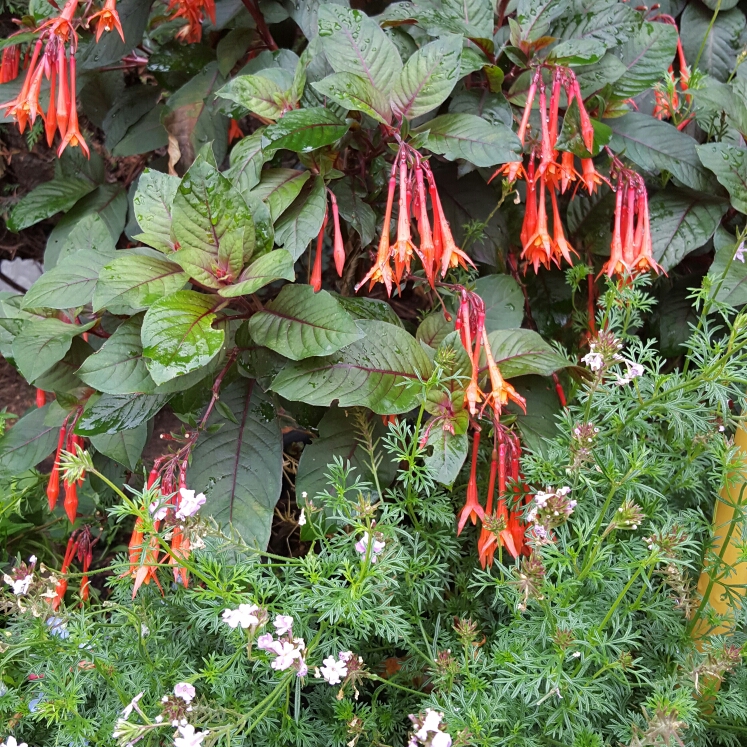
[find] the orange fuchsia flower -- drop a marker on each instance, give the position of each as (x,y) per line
(472,509)
(107,19)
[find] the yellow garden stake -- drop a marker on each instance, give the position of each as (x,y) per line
(722,582)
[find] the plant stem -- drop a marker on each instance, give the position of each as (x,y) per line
(707,34)
(621,596)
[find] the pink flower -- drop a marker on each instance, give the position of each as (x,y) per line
(185,691)
(333,670)
(265,642)
(190,503)
(283,624)
(188,737)
(377,547)
(286,653)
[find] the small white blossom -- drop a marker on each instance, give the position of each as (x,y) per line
(32,560)
(302,518)
(739,254)
(265,641)
(333,670)
(188,737)
(11,742)
(190,503)
(20,585)
(244,616)
(283,624)
(185,691)
(634,370)
(130,706)
(594,361)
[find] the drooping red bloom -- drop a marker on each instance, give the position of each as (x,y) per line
(193,12)
(472,508)
(9,65)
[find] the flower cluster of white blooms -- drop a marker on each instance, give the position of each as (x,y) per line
(551,508)
(247,616)
(11,742)
(377,546)
(333,671)
(289,651)
(428,730)
(190,502)
(175,707)
(603,353)
(21,577)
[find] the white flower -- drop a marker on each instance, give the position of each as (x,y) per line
(185,691)
(594,361)
(634,370)
(739,254)
(441,739)
(189,737)
(32,560)
(11,742)
(130,706)
(430,723)
(286,653)
(333,670)
(243,616)
(20,585)
(377,546)
(283,624)
(158,510)
(265,641)
(302,518)
(190,503)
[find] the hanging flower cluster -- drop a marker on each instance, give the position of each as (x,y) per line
(174,507)
(79,544)
(437,249)
(67,442)
(53,59)
(338,252)
(631,250)
(666,96)
(193,12)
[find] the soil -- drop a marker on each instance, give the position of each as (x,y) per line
(15,394)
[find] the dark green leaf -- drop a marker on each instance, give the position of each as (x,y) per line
(118,367)
(680,222)
(57,195)
(213,225)
(380,372)
(723,41)
(354,43)
(146,135)
(153,208)
(41,343)
(539,425)
(355,93)
(359,214)
(258,94)
(654,145)
(368,308)
(428,77)
(247,159)
(519,352)
(268,268)
(134,102)
(504,301)
(578,52)
(239,467)
(303,220)
(727,274)
(729,164)
(472,138)
(134,282)
(279,187)
(304,130)
(434,328)
(70,283)
(124,447)
(32,439)
(447,455)
(112,413)
(493,107)
(178,336)
(647,57)
(300,324)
